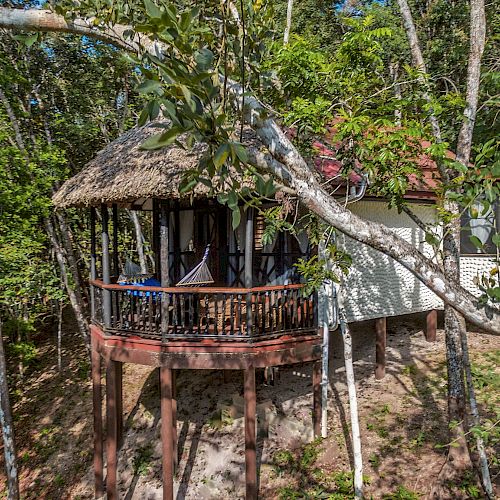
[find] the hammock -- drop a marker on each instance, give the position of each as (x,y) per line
(200,275)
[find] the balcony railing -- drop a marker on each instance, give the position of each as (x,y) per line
(205,312)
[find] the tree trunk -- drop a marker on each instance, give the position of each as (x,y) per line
(139,239)
(9,447)
(288,26)
(71,258)
(285,162)
(353,406)
(75,304)
(483,459)
(59,335)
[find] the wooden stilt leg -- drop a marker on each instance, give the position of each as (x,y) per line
(112,428)
(119,402)
(166,432)
(250,434)
(316,381)
(381,335)
(174,419)
(97,403)
(431,325)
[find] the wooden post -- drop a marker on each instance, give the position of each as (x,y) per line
(112,430)
(119,402)
(174,419)
(97,412)
(164,268)
(106,294)
(156,237)
(431,325)
(316,382)
(249,266)
(250,433)
(93,260)
(166,432)
(381,338)
(115,268)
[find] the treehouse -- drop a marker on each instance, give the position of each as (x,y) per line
(216,299)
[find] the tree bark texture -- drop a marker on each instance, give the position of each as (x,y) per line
(139,240)
(353,406)
(288,27)
(286,163)
(9,447)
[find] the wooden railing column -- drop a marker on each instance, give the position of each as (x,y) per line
(115,270)
(93,260)
(381,340)
(106,274)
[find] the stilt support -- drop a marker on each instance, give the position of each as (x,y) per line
(97,403)
(112,369)
(250,434)
(316,382)
(431,325)
(174,419)
(119,403)
(381,339)
(167,438)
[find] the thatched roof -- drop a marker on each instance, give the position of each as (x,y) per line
(123,173)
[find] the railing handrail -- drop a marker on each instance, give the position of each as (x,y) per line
(199,290)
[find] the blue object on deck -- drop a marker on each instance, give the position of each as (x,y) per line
(148,282)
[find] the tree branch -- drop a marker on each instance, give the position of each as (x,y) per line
(294,168)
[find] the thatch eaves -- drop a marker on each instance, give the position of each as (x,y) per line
(123,173)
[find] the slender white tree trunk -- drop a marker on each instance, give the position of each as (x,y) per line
(139,238)
(288,27)
(59,335)
(353,405)
(9,447)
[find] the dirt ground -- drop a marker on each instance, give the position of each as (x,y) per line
(402,417)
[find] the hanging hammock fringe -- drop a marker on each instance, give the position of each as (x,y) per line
(199,275)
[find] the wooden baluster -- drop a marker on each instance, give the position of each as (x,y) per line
(231,305)
(183,313)
(216,314)
(240,316)
(175,305)
(207,314)
(190,304)
(150,313)
(224,298)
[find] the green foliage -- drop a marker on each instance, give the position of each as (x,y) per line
(315,271)
(143,461)
(402,493)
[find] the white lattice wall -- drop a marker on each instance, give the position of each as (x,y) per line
(473,267)
(377,285)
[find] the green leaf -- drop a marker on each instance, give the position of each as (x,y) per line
(221,155)
(232,200)
(204,58)
(241,152)
(161,140)
(149,86)
(152,9)
(496,239)
(476,241)
(236,219)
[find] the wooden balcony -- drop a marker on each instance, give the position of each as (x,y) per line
(198,313)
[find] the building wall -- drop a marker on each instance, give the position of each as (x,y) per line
(471,268)
(377,285)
